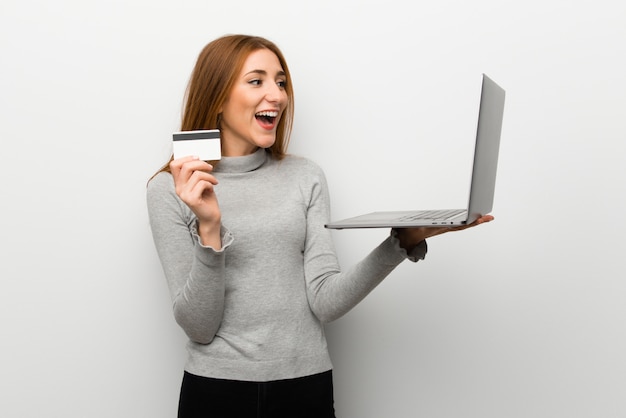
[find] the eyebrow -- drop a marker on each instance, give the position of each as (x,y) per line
(263,72)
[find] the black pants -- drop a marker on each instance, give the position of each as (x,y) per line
(304,397)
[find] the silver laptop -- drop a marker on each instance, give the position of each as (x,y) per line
(483,181)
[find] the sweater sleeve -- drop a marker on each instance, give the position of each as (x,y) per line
(332,292)
(194,273)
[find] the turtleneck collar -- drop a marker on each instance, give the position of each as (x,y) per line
(242,164)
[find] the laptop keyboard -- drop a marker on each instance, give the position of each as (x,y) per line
(432,215)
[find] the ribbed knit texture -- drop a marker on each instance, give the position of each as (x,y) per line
(255,309)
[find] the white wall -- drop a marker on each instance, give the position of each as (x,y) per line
(523,317)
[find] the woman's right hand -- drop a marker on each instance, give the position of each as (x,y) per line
(195,184)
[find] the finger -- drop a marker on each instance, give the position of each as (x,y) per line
(202,189)
(198,176)
(177,164)
(194,188)
(185,169)
(189,167)
(483,219)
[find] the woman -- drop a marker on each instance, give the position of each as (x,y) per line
(251,269)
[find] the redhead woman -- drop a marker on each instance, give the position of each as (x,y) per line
(251,269)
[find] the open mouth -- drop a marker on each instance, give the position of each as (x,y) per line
(267,118)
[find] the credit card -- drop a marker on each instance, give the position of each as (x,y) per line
(204,144)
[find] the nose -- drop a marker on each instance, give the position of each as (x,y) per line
(275,94)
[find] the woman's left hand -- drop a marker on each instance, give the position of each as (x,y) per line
(410,237)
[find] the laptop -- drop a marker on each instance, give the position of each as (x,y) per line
(482,185)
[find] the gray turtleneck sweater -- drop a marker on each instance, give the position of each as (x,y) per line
(255,309)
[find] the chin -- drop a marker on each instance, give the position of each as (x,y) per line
(266,142)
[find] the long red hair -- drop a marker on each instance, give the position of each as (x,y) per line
(213,77)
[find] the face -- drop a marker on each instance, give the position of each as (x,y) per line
(254,106)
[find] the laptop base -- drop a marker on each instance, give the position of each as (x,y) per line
(404,219)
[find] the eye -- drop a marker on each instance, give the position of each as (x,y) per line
(281,83)
(255,82)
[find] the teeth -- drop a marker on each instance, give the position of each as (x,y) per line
(268,114)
